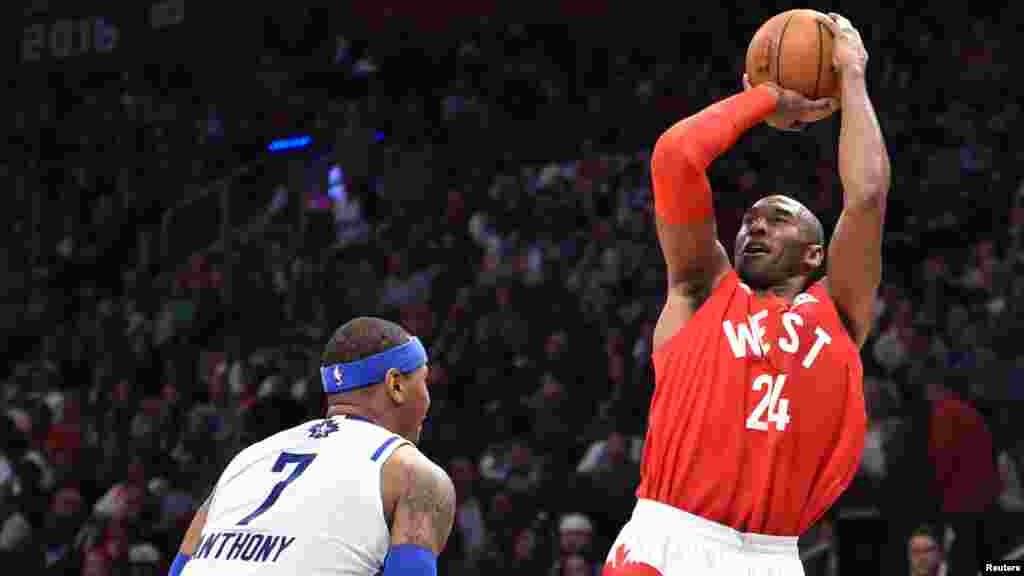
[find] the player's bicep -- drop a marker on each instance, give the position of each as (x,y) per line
(425,509)
(855,265)
(693,255)
(698,261)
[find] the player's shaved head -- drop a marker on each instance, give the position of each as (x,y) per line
(813,231)
(362,337)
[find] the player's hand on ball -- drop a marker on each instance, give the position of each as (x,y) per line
(848,52)
(793,111)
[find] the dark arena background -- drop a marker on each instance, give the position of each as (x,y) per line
(195,197)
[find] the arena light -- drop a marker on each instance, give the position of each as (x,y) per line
(293,143)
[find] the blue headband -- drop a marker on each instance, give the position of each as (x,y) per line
(348,376)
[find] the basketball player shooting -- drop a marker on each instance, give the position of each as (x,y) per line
(757,421)
(345,494)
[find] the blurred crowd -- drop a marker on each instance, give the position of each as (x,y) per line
(502,212)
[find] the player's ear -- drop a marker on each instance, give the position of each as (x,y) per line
(394,384)
(814,256)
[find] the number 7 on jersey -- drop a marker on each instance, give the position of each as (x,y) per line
(301,461)
(778,409)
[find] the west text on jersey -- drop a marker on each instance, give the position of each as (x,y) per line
(242,546)
(750,335)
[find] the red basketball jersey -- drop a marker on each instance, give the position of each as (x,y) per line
(757,420)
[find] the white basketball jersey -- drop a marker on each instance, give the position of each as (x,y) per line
(304,501)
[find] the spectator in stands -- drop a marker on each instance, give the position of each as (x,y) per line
(469,539)
(961,450)
(125,499)
(924,552)
(96,563)
(513,467)
(174,503)
(866,492)
(892,347)
(350,223)
(575,543)
(613,476)
(18,537)
(11,449)
(1011,498)
(521,552)
(37,421)
(576,565)
(503,331)
(59,545)
(404,286)
(960,447)
(144,559)
(552,417)
(30,473)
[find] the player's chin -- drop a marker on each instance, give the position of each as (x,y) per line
(756,274)
(751,268)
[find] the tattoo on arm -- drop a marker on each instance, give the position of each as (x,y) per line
(426,509)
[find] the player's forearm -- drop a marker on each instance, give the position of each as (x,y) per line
(684,151)
(707,134)
(863,158)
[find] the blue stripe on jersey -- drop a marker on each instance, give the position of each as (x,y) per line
(383,447)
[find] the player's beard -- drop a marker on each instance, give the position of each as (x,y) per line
(763,272)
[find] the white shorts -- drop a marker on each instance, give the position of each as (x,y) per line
(660,540)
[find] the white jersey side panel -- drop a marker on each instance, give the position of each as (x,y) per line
(303,501)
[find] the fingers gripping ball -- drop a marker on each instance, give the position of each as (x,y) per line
(794,50)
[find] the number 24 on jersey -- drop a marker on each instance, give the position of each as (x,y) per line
(772,409)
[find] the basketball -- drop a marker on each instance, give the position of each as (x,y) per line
(794,50)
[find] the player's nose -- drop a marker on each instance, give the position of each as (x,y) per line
(758,226)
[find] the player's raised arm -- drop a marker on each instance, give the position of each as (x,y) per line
(682,194)
(424,512)
(855,252)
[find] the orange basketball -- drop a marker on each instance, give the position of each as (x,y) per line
(794,50)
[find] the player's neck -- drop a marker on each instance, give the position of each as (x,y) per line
(782,293)
(787,290)
(352,410)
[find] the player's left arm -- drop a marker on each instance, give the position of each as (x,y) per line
(191,539)
(423,500)
(855,251)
